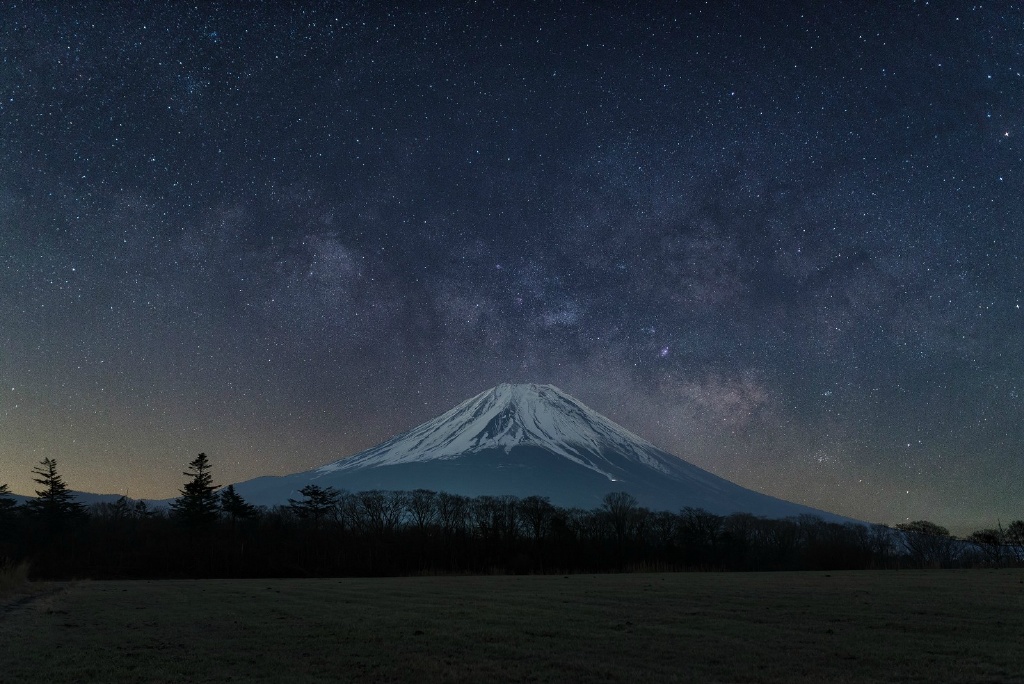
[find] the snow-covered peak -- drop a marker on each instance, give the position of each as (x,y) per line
(514,415)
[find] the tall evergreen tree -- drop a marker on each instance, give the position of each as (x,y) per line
(7,505)
(317,503)
(232,503)
(198,504)
(6,500)
(121,509)
(141,510)
(54,503)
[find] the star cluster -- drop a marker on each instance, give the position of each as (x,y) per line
(783,243)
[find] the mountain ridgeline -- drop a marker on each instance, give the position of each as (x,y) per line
(527,440)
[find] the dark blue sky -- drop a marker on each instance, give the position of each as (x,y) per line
(782,243)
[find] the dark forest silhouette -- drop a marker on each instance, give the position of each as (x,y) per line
(212,532)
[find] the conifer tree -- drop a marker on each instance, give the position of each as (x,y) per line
(198,504)
(5,496)
(121,509)
(54,503)
(316,504)
(7,504)
(142,511)
(128,509)
(232,503)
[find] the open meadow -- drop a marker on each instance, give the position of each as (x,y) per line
(884,626)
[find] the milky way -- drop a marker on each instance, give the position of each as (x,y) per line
(784,244)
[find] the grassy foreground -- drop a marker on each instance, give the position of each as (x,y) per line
(938,626)
(12,577)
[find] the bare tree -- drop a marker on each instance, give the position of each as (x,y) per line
(422,509)
(379,512)
(452,512)
(1015,540)
(664,529)
(486,515)
(509,517)
(700,529)
(991,544)
(537,513)
(928,544)
(620,510)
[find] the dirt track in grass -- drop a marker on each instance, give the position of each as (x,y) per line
(937,626)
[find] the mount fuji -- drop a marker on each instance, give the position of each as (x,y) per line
(529,440)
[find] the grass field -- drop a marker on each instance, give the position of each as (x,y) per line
(938,626)
(12,577)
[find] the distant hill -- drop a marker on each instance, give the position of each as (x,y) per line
(88,498)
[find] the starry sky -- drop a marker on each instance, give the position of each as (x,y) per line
(783,243)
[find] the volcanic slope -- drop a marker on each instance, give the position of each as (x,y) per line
(529,440)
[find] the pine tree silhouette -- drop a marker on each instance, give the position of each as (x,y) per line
(317,503)
(232,503)
(54,503)
(198,504)
(7,505)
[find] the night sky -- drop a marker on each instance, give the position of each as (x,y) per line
(784,244)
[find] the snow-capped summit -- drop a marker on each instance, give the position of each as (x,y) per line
(528,440)
(508,416)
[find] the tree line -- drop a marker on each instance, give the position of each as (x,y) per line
(211,531)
